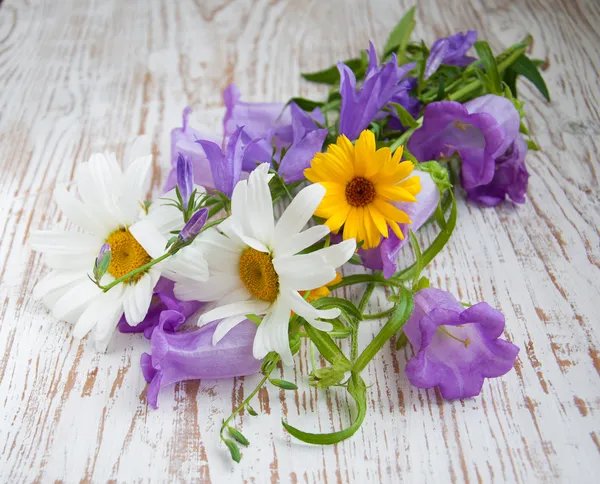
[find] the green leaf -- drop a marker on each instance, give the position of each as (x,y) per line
(237,435)
(404,308)
(331,75)
(423,284)
(358,390)
(286,385)
(234,450)
(326,346)
(532,145)
(306,104)
(402,340)
(399,37)
(338,302)
(491,68)
(251,410)
(440,92)
(510,79)
(405,117)
(527,68)
(418,258)
(254,318)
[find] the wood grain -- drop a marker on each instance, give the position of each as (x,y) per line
(84,76)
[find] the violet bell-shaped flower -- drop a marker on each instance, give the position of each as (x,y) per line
(450,51)
(183,142)
(480,131)
(304,139)
(360,107)
(456,348)
(385,256)
(226,166)
(191,355)
(163,299)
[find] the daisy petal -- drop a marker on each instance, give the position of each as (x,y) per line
(300,241)
(78,213)
(234,309)
(225,326)
(338,254)
(299,212)
(272,334)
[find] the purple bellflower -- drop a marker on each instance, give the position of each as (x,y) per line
(183,142)
(360,107)
(194,225)
(191,355)
(456,348)
(480,131)
(385,256)
(451,51)
(163,299)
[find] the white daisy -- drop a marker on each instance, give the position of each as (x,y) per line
(255,267)
(109,209)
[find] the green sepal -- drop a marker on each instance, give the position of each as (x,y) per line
(251,410)
(254,318)
(532,145)
(284,384)
(358,391)
(101,267)
(525,67)
(328,376)
(331,75)
(400,36)
(237,435)
(405,117)
(234,450)
(326,346)
(401,341)
(439,174)
(491,68)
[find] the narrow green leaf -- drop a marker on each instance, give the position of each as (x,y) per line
(418,258)
(284,384)
(306,104)
(532,145)
(400,36)
(491,68)
(358,390)
(440,92)
(234,450)
(251,410)
(404,308)
(331,75)
(237,435)
(326,346)
(338,302)
(528,69)
(405,117)
(402,340)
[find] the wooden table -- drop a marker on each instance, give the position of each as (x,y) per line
(83,76)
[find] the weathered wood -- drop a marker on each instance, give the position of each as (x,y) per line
(79,77)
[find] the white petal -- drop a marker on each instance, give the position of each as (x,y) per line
(260,205)
(131,200)
(187,290)
(105,328)
(272,334)
(303,272)
(299,212)
(56,280)
(237,295)
(338,254)
(141,147)
(225,326)
(137,298)
(60,242)
(215,288)
(234,309)
(101,307)
(239,204)
(149,237)
(293,245)
(75,300)
(308,311)
(71,262)
(188,263)
(79,214)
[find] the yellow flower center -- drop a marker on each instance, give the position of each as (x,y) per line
(258,275)
(360,191)
(127,254)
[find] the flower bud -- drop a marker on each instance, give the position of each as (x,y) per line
(185,178)
(102,261)
(194,225)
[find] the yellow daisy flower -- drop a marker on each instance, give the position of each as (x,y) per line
(361,184)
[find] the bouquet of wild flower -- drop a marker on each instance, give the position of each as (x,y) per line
(356,176)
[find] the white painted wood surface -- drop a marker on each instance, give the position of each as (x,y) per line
(82,76)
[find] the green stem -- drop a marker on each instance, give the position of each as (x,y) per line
(247,400)
(136,271)
(380,315)
(354,329)
(476,84)
(404,137)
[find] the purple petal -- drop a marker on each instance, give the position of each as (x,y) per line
(457,364)
(183,141)
(190,355)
